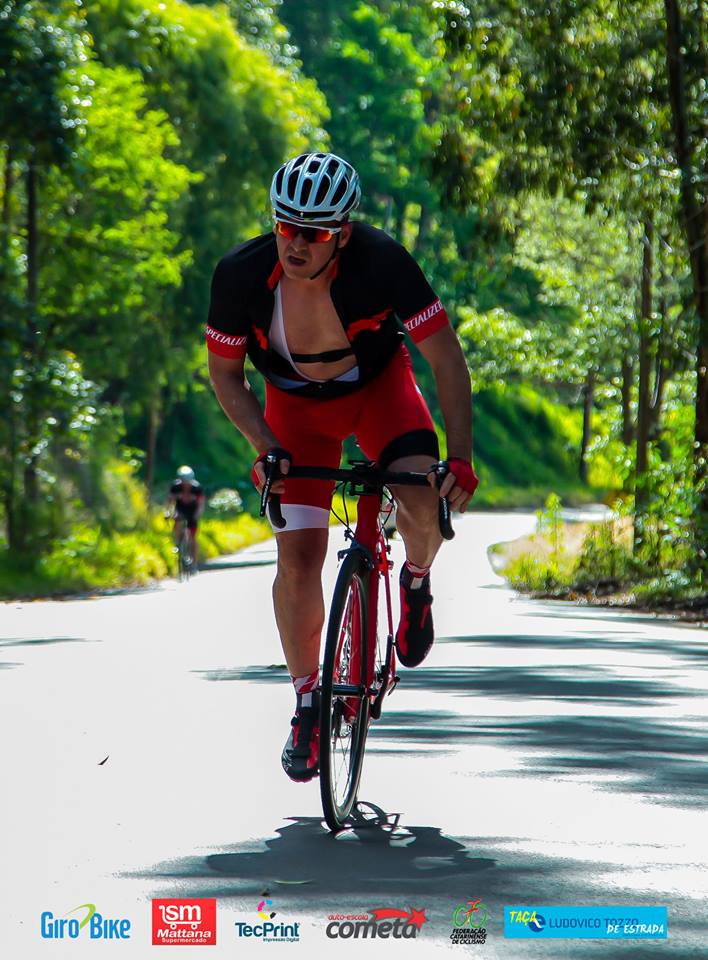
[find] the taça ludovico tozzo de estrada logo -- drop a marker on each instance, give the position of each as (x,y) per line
(268,931)
(586,923)
(469,922)
(383,922)
(83,921)
(184,922)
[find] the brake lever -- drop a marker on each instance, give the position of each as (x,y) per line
(441,470)
(272,501)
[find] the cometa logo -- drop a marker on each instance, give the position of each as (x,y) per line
(384,922)
(95,925)
(184,922)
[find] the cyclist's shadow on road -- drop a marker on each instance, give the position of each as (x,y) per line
(376,850)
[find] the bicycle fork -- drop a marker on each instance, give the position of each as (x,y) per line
(375,549)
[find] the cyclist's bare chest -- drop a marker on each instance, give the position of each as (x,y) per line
(312,326)
(311,322)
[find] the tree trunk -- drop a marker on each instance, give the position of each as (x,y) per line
(400,222)
(153,426)
(627,420)
(9,489)
(6,205)
(641,479)
(695,223)
(32,265)
(388,217)
(424,223)
(30,479)
(588,402)
(661,366)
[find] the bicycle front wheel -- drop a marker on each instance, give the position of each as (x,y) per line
(344,719)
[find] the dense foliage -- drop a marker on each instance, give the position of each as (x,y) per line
(547,168)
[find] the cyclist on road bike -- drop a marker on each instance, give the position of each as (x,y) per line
(317,305)
(186,501)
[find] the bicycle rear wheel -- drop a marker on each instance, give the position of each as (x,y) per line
(344,719)
(184,558)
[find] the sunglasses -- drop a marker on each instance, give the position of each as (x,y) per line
(310,234)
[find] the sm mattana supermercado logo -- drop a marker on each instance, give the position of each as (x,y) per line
(184,922)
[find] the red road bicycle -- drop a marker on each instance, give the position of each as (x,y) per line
(359,664)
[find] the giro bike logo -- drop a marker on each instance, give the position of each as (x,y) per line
(469,922)
(184,922)
(97,926)
(268,931)
(382,923)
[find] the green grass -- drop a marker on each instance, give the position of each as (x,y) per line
(89,559)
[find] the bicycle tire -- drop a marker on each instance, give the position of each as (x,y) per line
(183,560)
(344,720)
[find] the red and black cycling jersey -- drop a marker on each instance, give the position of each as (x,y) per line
(187,493)
(377,283)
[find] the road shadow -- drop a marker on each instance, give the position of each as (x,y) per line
(261,673)
(35,642)
(665,760)
(309,873)
(576,684)
(218,564)
(41,641)
(376,856)
(600,640)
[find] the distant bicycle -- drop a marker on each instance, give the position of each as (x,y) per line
(185,560)
(359,666)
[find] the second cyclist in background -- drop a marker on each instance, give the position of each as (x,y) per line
(186,501)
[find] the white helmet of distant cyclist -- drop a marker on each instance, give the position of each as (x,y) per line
(315,187)
(186,473)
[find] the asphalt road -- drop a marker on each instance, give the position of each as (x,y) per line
(543,754)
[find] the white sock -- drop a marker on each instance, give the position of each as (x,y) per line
(418,574)
(305,687)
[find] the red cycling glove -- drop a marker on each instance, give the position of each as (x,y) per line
(465,476)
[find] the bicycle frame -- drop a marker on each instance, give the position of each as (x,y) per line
(370,540)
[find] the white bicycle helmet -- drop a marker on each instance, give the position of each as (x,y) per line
(186,474)
(315,187)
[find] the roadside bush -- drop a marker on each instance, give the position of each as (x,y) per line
(605,557)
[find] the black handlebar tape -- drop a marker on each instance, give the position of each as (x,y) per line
(444,519)
(272,473)
(276,517)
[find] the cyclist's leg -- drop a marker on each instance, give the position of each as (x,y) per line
(193,548)
(177,529)
(405,440)
(298,599)
(309,430)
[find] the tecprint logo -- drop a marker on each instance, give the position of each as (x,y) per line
(184,922)
(269,932)
(97,926)
(383,923)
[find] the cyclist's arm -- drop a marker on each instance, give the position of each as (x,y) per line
(452,379)
(238,401)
